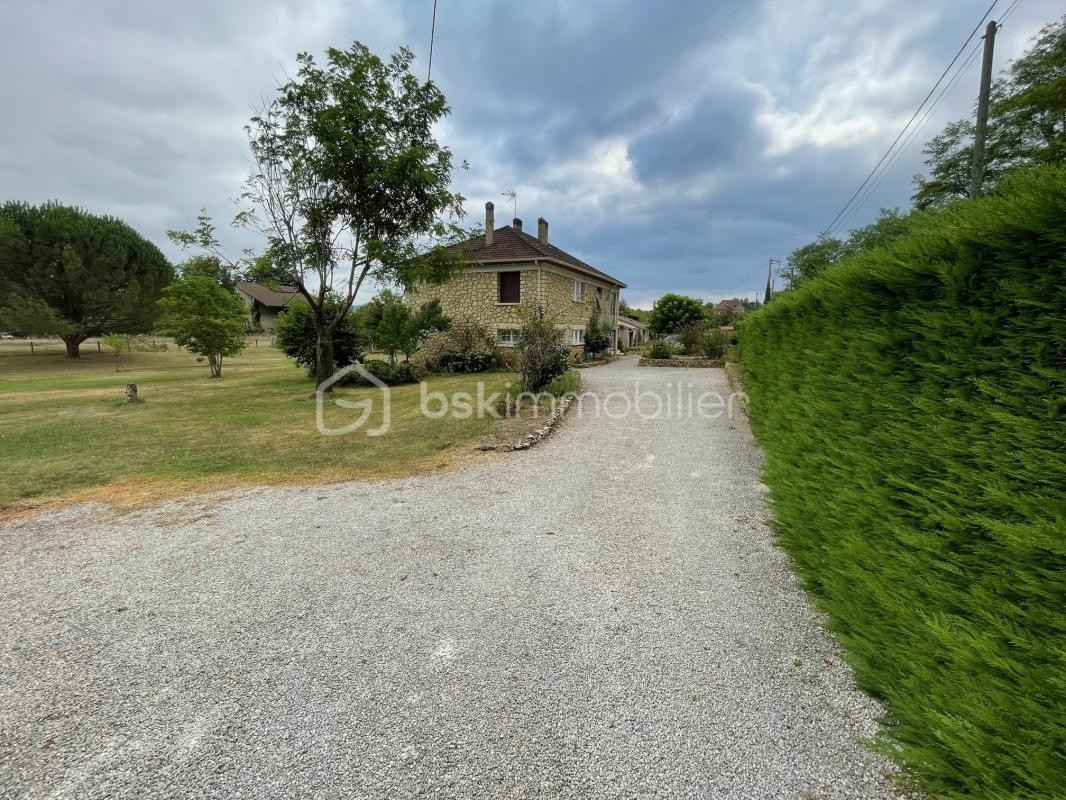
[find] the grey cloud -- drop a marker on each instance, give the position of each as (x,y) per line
(136,109)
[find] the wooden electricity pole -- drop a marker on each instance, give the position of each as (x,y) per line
(977,173)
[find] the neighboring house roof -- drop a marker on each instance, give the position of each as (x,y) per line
(629,322)
(513,245)
(278,297)
(730,305)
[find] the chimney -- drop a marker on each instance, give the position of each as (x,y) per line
(542,230)
(490,224)
(516,223)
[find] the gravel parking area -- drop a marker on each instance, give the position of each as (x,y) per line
(602,616)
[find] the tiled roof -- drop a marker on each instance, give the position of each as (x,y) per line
(730,305)
(511,244)
(271,298)
(632,323)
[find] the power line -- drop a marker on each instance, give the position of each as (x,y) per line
(926,117)
(914,116)
(914,133)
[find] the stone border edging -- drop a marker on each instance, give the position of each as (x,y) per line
(537,436)
(690,361)
(600,363)
(736,381)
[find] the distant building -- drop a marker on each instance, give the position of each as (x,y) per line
(263,303)
(733,306)
(507,268)
(630,332)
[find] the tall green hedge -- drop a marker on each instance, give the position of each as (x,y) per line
(912,406)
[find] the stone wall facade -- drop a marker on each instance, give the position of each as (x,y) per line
(473,296)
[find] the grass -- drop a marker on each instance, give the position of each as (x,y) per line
(66,430)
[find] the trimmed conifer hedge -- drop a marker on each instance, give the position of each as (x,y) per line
(912,406)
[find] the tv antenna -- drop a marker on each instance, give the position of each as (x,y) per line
(513,195)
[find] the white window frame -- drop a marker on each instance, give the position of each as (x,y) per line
(577,336)
(507,337)
(576,290)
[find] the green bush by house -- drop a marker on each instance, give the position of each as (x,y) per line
(912,405)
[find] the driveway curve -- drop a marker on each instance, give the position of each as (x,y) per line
(602,616)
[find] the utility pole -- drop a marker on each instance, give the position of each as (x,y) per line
(769,276)
(432,36)
(977,174)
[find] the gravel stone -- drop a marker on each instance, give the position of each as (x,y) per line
(605,615)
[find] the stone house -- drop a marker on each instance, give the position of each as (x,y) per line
(630,332)
(507,269)
(263,303)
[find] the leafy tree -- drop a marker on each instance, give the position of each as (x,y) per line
(77,273)
(401,329)
(674,311)
(1026,125)
(626,310)
(296,336)
(807,261)
(204,318)
(117,343)
(211,267)
(349,183)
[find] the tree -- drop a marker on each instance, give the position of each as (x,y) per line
(1026,125)
(673,311)
(401,329)
(77,273)
(349,183)
(626,310)
(889,226)
(211,267)
(297,337)
(812,259)
(204,318)
(807,261)
(117,343)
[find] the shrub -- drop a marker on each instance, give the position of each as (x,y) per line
(689,337)
(391,374)
(910,403)
(542,353)
(295,336)
(713,343)
(465,347)
(567,383)
(598,334)
(660,348)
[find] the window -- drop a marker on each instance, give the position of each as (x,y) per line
(510,287)
(614,303)
(576,291)
(599,297)
(577,336)
(508,337)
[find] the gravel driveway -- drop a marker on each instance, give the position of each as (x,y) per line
(602,616)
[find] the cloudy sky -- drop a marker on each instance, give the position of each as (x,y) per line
(675,145)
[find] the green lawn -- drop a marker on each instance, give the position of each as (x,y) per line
(65,428)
